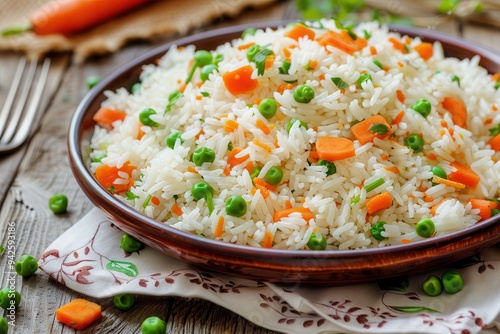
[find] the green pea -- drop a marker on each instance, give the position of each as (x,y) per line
(26,266)
(330,166)
(363,78)
(58,203)
(145,118)
(4,326)
(204,190)
(379,64)
(255,172)
(274,175)
(124,301)
(439,172)
(253,51)
(9,297)
(248,32)
(207,70)
(316,242)
(202,155)
(92,81)
(173,137)
(292,121)
(432,286)
(135,87)
(415,142)
(153,325)
(495,212)
(130,244)
(452,281)
(285,67)
(236,206)
(202,58)
(267,107)
(422,106)
(303,94)
(425,228)
(377,229)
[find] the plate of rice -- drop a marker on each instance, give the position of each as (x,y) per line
(300,151)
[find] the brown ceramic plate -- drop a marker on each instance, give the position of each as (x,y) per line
(311,267)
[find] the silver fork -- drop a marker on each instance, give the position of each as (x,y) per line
(16,123)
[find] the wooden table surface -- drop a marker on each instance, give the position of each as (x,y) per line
(30,175)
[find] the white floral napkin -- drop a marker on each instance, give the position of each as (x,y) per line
(87,258)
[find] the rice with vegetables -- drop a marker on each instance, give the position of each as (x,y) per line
(310,136)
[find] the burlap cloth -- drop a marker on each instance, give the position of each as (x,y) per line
(163,17)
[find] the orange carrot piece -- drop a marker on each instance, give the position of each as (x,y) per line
(342,41)
(495,77)
(449,183)
(373,50)
(361,131)
(155,200)
(263,191)
(70,17)
(232,160)
(262,145)
(425,50)
(106,176)
(262,183)
(333,148)
(176,209)
(239,81)
(286,52)
(249,167)
(398,118)
(192,169)
(219,229)
(398,45)
(457,109)
(288,204)
(495,143)
(105,117)
(79,313)
(281,88)
(401,96)
(464,174)
(378,202)
(245,46)
(268,240)
(405,241)
(305,212)
(392,169)
(484,207)
(227,170)
(269,62)
(431,156)
(262,126)
(300,31)
(230,125)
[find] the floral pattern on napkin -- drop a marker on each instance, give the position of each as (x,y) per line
(87,258)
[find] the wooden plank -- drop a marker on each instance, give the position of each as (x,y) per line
(483,35)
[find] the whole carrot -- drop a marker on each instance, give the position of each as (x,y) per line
(68,17)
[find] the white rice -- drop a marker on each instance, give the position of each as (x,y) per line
(168,174)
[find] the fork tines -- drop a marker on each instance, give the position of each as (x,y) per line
(20,108)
